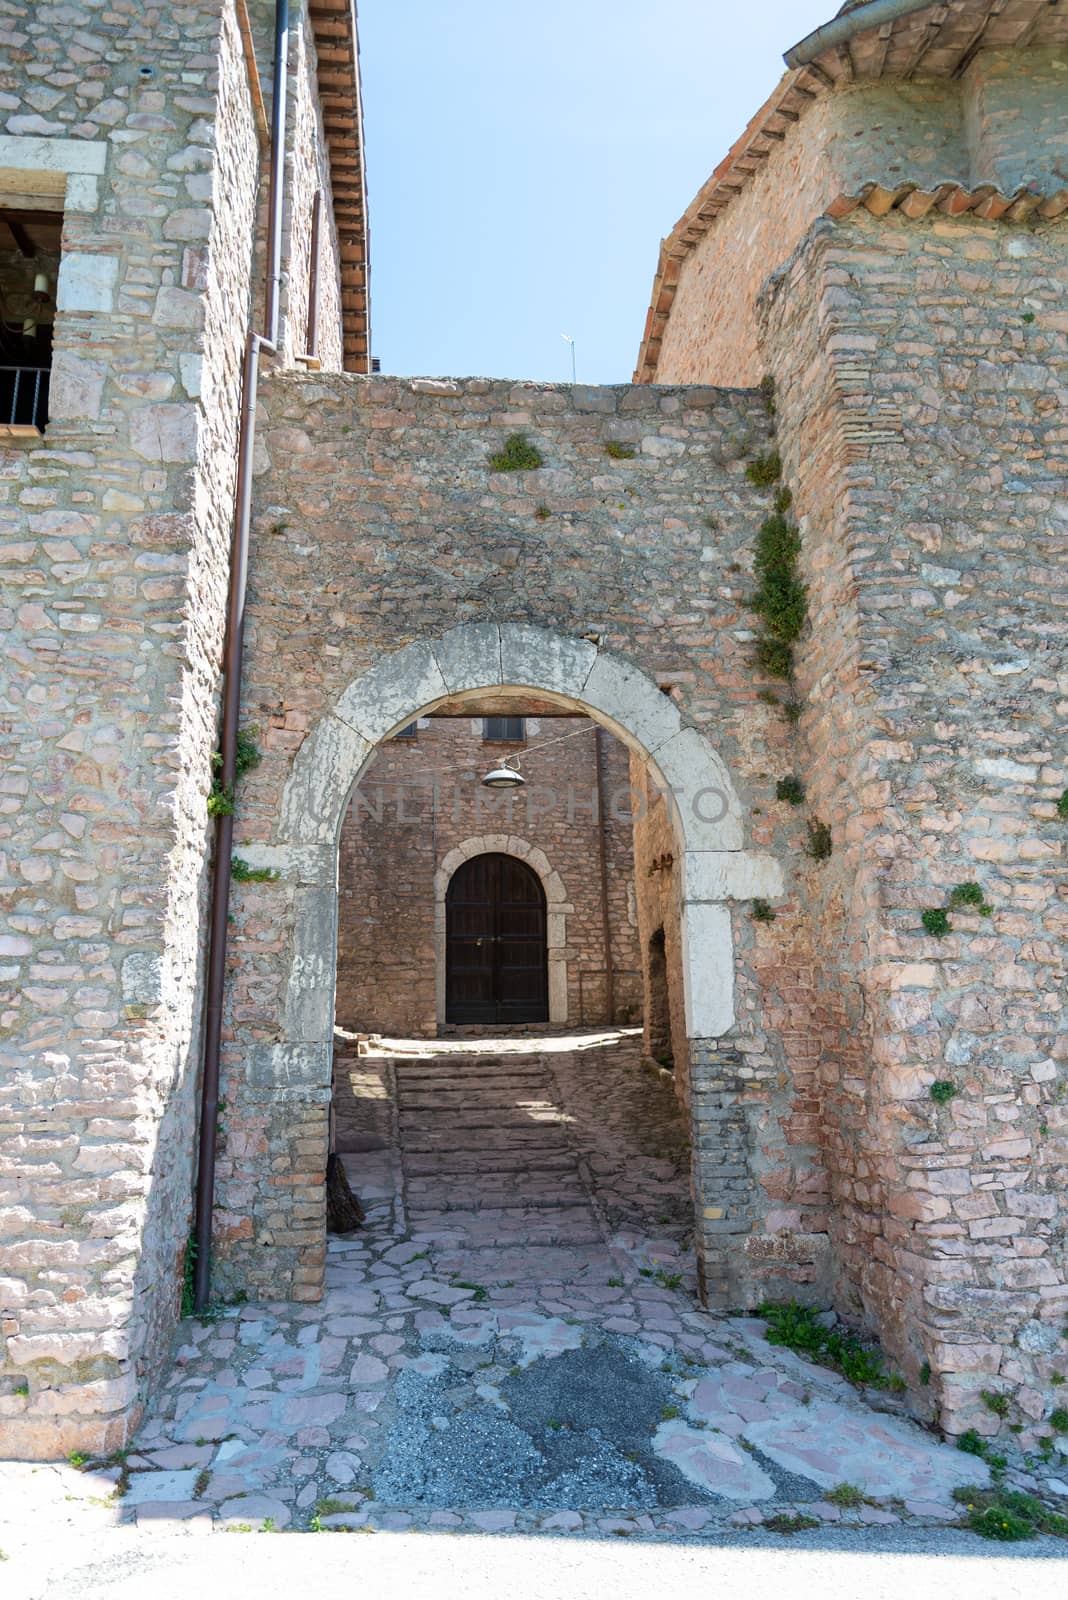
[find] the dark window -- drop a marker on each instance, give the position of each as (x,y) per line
(504,730)
(29,265)
(409,732)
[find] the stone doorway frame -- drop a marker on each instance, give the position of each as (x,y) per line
(557,908)
(516,659)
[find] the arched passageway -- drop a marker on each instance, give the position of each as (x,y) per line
(515,659)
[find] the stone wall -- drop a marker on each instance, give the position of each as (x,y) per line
(114,541)
(657,878)
(379,496)
(920,368)
(308,169)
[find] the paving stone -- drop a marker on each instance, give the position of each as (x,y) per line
(712,1462)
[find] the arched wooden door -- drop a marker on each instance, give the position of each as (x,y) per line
(496,969)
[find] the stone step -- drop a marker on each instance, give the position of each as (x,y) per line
(427,1197)
(502,1084)
(464,1166)
(496,1136)
(453,1100)
(472,1125)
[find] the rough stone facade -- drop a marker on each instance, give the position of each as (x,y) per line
(420,808)
(887,268)
(920,365)
(115,548)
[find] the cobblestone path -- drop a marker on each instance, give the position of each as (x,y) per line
(512,1341)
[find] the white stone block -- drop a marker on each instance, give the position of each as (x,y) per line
(165,432)
(24,159)
(82,193)
(86,282)
(535,658)
(469,657)
(730,875)
(392,692)
(643,717)
(294,863)
(1002,767)
(708,970)
(142,978)
(324,770)
(77,386)
(309,1002)
(190,366)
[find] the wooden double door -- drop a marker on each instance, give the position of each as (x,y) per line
(496,966)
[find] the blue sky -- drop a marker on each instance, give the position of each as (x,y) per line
(525,161)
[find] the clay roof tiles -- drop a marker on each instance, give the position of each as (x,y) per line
(938,40)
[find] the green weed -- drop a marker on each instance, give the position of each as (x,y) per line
(820,843)
(517,455)
(242,872)
(796,1326)
(790,1523)
(846,1495)
(970,896)
(764,470)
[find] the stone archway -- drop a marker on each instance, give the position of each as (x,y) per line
(557,905)
(517,659)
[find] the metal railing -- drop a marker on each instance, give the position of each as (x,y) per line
(24,397)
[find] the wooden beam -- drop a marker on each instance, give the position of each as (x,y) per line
(975,42)
(23,243)
(931,32)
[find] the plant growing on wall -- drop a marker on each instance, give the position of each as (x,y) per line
(790,789)
(248,755)
(767,394)
(819,844)
(764,470)
(619,452)
(965,897)
(970,896)
(781,597)
(517,455)
(243,872)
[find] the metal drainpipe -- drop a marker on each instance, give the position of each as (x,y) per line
(848,26)
(606,924)
(255,345)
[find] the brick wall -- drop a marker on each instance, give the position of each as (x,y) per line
(422,798)
(1001,123)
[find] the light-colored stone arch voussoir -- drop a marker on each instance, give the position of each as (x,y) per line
(557,907)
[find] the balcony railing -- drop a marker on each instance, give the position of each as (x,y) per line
(23,399)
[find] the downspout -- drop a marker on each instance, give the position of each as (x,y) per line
(255,345)
(846,27)
(606,923)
